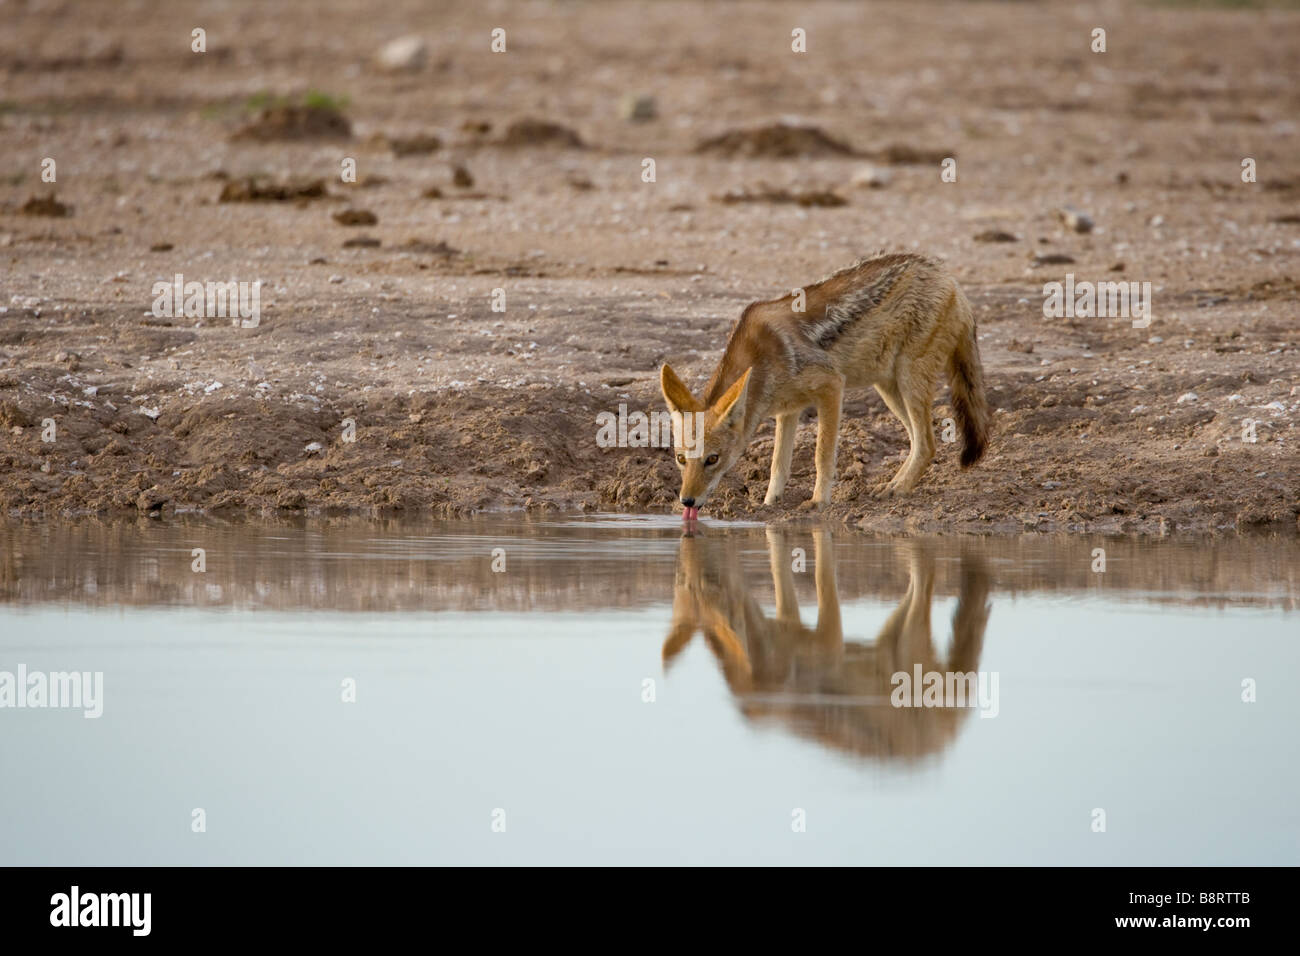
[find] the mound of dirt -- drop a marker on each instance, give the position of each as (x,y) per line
(45,206)
(355,217)
(900,154)
(777,140)
(420,145)
(804,197)
(258,189)
(425,247)
(535,132)
(296,123)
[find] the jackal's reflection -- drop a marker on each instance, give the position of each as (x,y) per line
(808,677)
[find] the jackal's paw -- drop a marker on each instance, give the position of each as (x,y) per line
(812,504)
(882,489)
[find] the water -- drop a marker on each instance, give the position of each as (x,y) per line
(620,693)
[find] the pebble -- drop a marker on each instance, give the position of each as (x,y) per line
(872,177)
(405,54)
(1075,220)
(1187,397)
(638,108)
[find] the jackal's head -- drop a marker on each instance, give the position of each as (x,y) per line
(704,458)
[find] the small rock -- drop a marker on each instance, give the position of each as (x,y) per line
(461,178)
(313,447)
(638,108)
(872,177)
(215,386)
(336,279)
(361,242)
(403,55)
(995,235)
(161,247)
(1074,219)
(1187,398)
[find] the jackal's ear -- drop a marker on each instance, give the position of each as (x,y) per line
(676,640)
(731,406)
(677,395)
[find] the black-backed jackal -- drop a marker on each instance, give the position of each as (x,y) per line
(898,322)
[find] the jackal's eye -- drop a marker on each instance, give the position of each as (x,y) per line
(681,459)
(711,460)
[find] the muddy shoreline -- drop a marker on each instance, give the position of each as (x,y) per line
(383,380)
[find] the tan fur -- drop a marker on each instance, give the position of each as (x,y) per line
(897,322)
(810,678)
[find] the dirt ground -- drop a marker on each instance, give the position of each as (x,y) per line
(226,164)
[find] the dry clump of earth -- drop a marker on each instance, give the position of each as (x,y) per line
(456,357)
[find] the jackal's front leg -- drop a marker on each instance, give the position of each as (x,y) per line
(829,404)
(782,453)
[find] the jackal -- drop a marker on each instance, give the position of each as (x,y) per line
(894,321)
(811,679)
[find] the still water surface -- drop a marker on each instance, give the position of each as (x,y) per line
(621,693)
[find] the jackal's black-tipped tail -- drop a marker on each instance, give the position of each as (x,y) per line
(969,403)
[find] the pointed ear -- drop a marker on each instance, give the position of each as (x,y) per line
(732,402)
(677,395)
(677,639)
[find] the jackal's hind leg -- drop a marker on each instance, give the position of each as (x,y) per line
(894,402)
(918,398)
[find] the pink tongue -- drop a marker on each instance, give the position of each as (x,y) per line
(690,514)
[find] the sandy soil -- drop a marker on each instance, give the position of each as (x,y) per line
(1099,426)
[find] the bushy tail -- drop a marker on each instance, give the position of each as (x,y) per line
(969,403)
